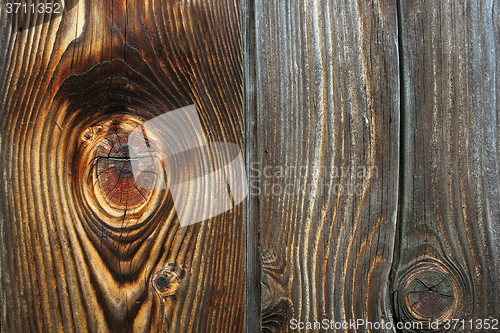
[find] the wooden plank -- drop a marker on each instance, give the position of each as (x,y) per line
(328,141)
(252,260)
(448,264)
(76,254)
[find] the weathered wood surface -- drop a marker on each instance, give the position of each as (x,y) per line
(328,95)
(448,255)
(328,112)
(77,253)
(371,134)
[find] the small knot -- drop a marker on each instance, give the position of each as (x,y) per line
(166,282)
(275,316)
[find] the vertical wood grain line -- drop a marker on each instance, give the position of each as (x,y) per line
(252,235)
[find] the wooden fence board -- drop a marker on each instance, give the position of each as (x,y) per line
(448,263)
(328,110)
(370,130)
(70,262)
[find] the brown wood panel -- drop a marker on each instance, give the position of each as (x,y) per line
(448,263)
(327,159)
(252,259)
(78,254)
(347,218)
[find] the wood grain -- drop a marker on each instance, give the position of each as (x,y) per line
(252,244)
(327,108)
(449,245)
(370,129)
(80,250)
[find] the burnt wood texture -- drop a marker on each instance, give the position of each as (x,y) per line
(370,130)
(328,115)
(448,258)
(83,249)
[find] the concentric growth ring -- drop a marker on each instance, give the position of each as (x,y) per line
(113,186)
(429,291)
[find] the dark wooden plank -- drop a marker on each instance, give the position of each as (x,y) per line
(328,112)
(252,262)
(449,244)
(76,255)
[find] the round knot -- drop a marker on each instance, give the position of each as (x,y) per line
(121,171)
(430,290)
(116,172)
(167,281)
(429,295)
